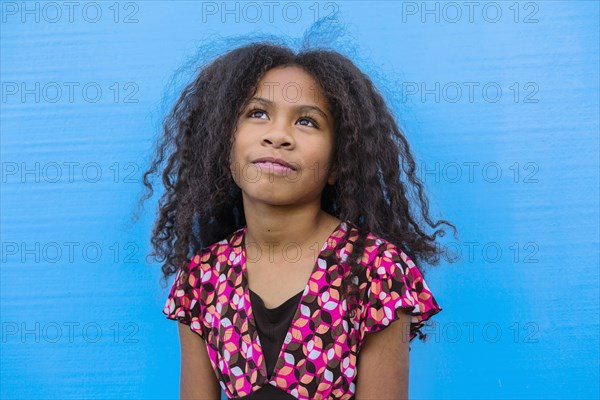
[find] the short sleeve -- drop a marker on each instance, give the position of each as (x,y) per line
(395,285)
(184,300)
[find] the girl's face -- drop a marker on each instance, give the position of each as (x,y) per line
(288,119)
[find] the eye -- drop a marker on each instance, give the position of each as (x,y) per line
(254,111)
(309,119)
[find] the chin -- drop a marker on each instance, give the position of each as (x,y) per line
(263,194)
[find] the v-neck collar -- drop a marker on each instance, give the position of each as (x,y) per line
(252,331)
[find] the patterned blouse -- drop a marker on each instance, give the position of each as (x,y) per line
(318,358)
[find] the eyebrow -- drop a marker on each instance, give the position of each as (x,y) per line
(301,108)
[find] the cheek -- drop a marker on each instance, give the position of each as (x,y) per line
(238,158)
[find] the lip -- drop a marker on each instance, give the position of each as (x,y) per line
(275,161)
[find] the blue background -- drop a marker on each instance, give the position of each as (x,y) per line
(516,171)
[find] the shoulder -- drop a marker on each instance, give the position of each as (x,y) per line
(381,258)
(389,262)
(392,285)
(213,253)
(209,261)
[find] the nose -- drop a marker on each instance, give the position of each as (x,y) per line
(279,136)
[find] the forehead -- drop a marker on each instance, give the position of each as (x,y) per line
(293,85)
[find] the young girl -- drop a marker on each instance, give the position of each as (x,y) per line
(287,221)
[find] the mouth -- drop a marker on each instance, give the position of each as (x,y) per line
(274,163)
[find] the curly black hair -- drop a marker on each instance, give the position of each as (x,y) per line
(376,185)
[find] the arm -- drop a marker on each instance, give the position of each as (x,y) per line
(384,361)
(198,380)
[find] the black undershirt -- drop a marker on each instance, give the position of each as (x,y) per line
(272,325)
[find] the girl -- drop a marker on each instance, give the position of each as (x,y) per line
(288,225)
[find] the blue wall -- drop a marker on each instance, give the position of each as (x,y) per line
(513,163)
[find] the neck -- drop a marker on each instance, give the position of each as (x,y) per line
(273,231)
